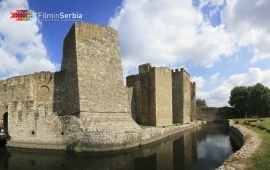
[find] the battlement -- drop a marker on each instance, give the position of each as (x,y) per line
(44,75)
(19,80)
(181,70)
(157,88)
(144,68)
(88,94)
(98,33)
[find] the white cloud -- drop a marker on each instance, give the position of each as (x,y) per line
(199,81)
(166,33)
(214,77)
(220,95)
(175,33)
(21,47)
(247,23)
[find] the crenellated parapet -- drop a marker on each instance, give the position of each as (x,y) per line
(87,99)
(176,93)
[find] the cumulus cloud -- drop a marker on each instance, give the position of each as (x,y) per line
(246,22)
(21,47)
(214,77)
(166,33)
(199,81)
(177,33)
(220,95)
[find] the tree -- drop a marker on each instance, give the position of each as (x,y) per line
(252,100)
(200,102)
(260,97)
(239,100)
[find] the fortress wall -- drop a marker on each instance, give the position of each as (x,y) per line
(163,95)
(100,76)
(186,96)
(70,67)
(136,105)
(147,100)
(59,94)
(193,100)
(208,113)
(144,97)
(87,97)
(177,97)
(152,95)
(30,109)
(181,96)
(102,95)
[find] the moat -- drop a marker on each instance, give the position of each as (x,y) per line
(205,147)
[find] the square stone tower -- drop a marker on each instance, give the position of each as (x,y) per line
(94,87)
(181,90)
(152,98)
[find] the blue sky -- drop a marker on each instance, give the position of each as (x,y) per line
(222,43)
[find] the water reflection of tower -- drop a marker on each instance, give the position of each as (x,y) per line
(165,157)
(185,151)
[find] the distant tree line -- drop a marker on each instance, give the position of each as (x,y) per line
(250,100)
(200,102)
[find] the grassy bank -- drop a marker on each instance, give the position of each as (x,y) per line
(261,159)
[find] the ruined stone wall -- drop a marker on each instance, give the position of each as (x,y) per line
(163,96)
(208,114)
(31,118)
(214,113)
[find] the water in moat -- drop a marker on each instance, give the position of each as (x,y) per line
(205,147)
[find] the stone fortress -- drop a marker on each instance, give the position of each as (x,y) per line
(162,96)
(86,103)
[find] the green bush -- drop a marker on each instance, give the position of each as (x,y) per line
(261,127)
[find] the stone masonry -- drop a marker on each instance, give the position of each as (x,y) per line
(87,94)
(86,104)
(162,96)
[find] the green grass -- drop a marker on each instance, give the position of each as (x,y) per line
(260,160)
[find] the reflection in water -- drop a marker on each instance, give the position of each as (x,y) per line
(203,148)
